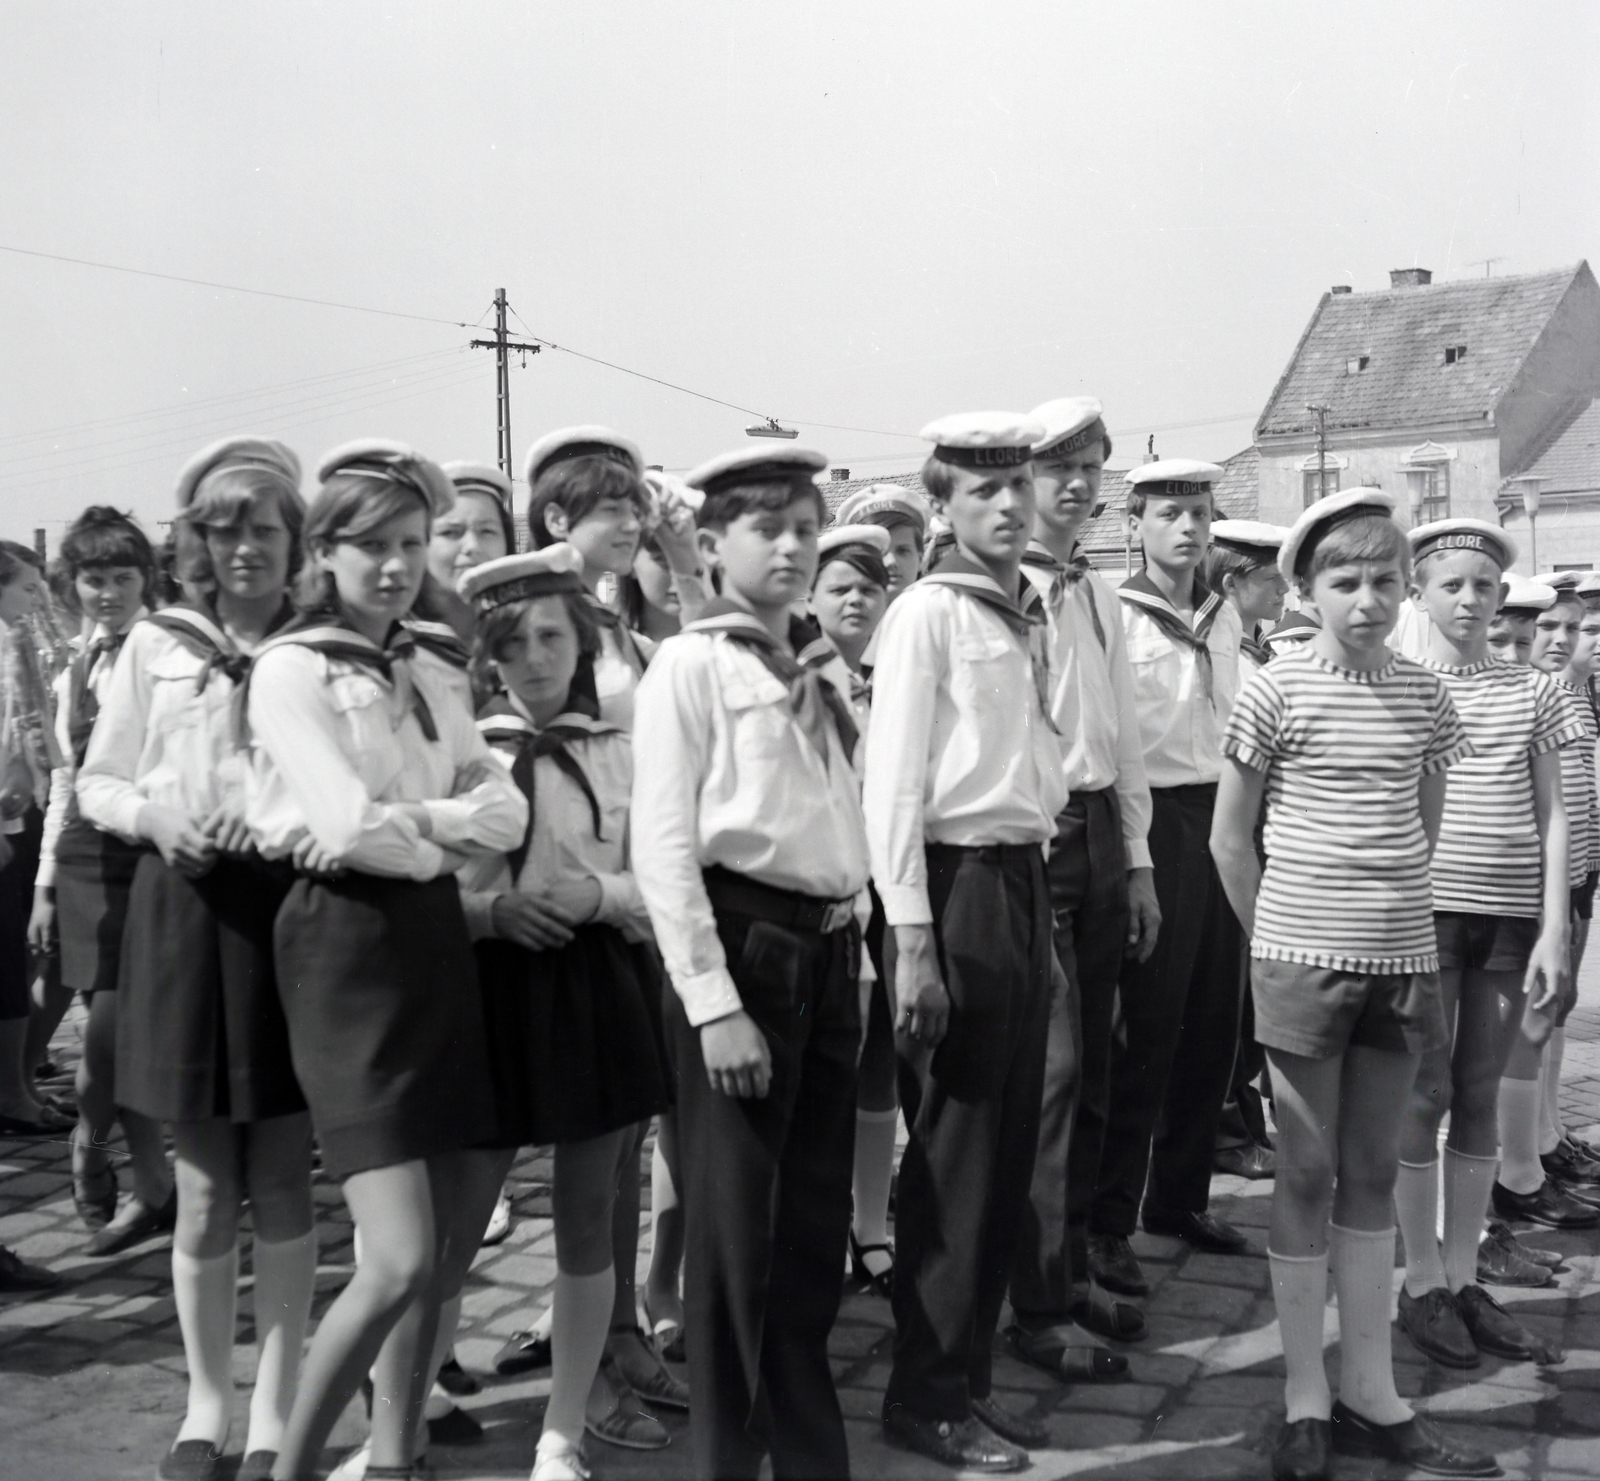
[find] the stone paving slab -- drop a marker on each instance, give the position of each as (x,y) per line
(92,1376)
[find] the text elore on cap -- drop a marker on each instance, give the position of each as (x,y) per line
(984,439)
(1463,534)
(884,500)
(513,578)
(1173,477)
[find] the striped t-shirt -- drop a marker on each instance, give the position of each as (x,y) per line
(1578,786)
(1346,885)
(1488,860)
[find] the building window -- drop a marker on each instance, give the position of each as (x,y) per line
(1454,354)
(1316,483)
(1356,364)
(1430,492)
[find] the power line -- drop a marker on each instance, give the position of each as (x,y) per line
(325,303)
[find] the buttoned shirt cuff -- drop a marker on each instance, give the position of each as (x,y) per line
(619,900)
(450,819)
(906,904)
(707,996)
(478,907)
(1139,853)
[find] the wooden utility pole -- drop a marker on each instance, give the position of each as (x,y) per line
(503,345)
(1322,447)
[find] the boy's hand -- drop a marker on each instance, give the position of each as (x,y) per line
(1144,914)
(532,923)
(1547,974)
(922,1006)
(738,1061)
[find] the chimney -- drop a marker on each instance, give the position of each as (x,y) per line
(839,475)
(1409,277)
(1340,288)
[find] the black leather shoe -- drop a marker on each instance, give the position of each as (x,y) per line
(969,1445)
(1203,1231)
(525,1352)
(190,1460)
(257,1466)
(1548,1206)
(1496,1331)
(1567,1165)
(1098,1311)
(16,1274)
(1550,1259)
(455,1427)
(1437,1329)
(455,1380)
(1113,1263)
(1502,1262)
(1417,1444)
(1245,1161)
(1301,1451)
(1017,1428)
(136,1223)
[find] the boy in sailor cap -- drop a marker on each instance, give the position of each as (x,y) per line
(749,849)
(1511,632)
(1181,1005)
(903,513)
(963,784)
(1102,894)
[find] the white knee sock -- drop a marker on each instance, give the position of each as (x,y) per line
(1551,1129)
(286,1273)
(1468,1182)
(1300,1292)
(206,1293)
(874,1169)
(1363,1270)
(439,1401)
(1416,1205)
(579,1324)
(1520,1169)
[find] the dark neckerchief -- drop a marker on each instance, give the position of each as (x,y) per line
(439,639)
(610,619)
(1253,645)
(83,705)
(329,636)
(959,573)
(1141,592)
(1064,577)
(504,723)
(812,698)
(200,630)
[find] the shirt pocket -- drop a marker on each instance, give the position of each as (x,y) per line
(175,703)
(987,667)
(361,703)
(760,719)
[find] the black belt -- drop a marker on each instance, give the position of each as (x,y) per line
(745,896)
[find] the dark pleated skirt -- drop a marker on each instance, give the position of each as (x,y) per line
(385,1020)
(94,877)
(16,905)
(200,1028)
(576,1044)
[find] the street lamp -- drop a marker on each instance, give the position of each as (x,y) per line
(1530,484)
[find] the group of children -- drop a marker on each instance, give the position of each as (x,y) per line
(348,847)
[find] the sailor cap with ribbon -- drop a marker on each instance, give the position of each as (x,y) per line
(1070,423)
(1464,534)
(1173,478)
(480,478)
(1250,537)
(555,570)
(747,465)
(983,439)
(882,502)
(1296,627)
(1525,597)
(394,462)
(567,443)
(237,452)
(1334,509)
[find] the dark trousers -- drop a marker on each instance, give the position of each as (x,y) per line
(766,1193)
(1088,872)
(1244,1118)
(972,1113)
(1180,1015)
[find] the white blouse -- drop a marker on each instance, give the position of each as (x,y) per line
(564,846)
(335,748)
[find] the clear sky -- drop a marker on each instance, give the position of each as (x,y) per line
(860,214)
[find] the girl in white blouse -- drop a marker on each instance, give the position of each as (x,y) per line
(201,1038)
(571,983)
(371,775)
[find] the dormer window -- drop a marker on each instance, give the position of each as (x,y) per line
(1454,354)
(1356,364)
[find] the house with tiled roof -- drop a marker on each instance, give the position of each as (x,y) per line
(1566,475)
(1441,393)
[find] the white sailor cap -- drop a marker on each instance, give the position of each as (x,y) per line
(1296,627)
(237,452)
(883,503)
(1526,597)
(1250,537)
(515,578)
(1464,534)
(379,457)
(1333,509)
(845,537)
(567,443)
(748,465)
(480,478)
(1172,477)
(1588,584)
(984,439)
(1559,581)
(1071,423)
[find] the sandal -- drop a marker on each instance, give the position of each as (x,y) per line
(1100,1312)
(1053,1351)
(94,1190)
(880,1284)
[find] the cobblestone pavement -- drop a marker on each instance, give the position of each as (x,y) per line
(91,1379)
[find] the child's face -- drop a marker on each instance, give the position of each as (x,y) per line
(1175,530)
(1359,602)
(467,535)
(110,594)
(991,512)
(250,559)
(904,559)
(848,603)
(1583,651)
(537,662)
(1555,635)
(1068,490)
(378,573)
(607,537)
(1511,637)
(655,581)
(768,556)
(1460,590)
(21,594)
(1259,595)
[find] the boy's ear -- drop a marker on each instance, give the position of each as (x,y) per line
(555,521)
(708,541)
